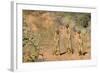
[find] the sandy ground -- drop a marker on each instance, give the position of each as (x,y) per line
(48,56)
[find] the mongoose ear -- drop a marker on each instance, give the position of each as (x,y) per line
(79,32)
(67,26)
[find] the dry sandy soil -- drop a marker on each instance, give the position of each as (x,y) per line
(48,56)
